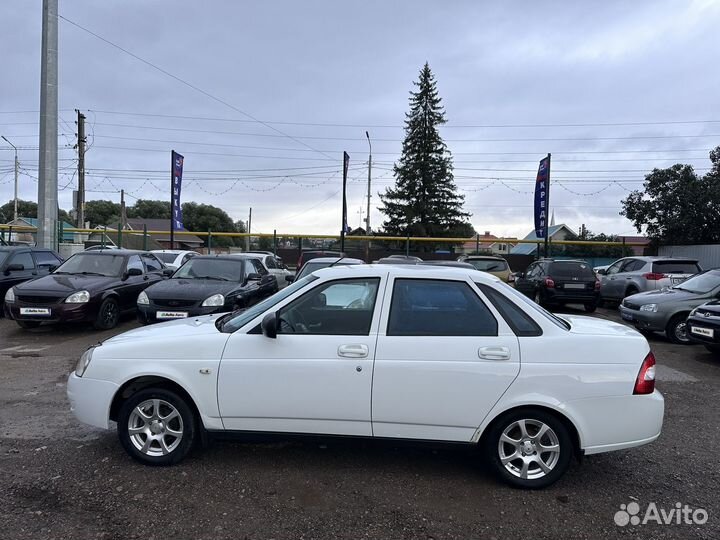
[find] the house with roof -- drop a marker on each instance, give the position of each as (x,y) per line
(182,241)
(555,233)
(487,244)
(28,237)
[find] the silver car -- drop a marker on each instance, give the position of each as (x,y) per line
(667,310)
(633,275)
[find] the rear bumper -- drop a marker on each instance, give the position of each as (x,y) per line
(90,400)
(569,296)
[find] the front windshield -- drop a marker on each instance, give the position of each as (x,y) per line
(167,257)
(217,269)
(520,297)
(93,264)
(488,265)
(249,314)
(702,283)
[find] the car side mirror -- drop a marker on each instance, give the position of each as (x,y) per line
(289,279)
(602,272)
(168,272)
(269,325)
(14,268)
(132,272)
(253,277)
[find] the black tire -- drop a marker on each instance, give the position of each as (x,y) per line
(590,307)
(28,324)
(185,423)
(108,315)
(715,349)
(559,463)
(676,328)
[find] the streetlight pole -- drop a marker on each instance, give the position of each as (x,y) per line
(367,215)
(15,213)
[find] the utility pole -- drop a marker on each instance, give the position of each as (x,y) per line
(48,143)
(81,170)
(367,216)
(123,214)
(247,238)
(17,166)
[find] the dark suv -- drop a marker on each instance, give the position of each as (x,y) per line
(552,282)
(22,263)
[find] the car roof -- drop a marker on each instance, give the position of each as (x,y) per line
(174,251)
(114,252)
(222,256)
(406,271)
(489,257)
(339,260)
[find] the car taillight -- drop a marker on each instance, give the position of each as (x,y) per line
(549,283)
(597,284)
(653,276)
(645,382)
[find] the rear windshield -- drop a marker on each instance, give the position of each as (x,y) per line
(563,269)
(488,265)
(166,257)
(676,267)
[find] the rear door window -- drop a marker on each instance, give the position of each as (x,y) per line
(152,264)
(521,323)
(676,267)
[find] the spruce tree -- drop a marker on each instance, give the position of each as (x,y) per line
(424,201)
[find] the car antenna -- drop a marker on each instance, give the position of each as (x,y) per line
(333,264)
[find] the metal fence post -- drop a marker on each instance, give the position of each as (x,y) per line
(104,236)
(274,241)
(209,241)
(477,243)
(145,240)
(119,235)
(407,245)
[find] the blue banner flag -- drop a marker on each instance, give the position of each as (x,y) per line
(176,207)
(542,198)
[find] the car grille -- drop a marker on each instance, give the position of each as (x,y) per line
(706,313)
(174,303)
(631,305)
(31,299)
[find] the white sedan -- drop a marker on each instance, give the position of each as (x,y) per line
(407,352)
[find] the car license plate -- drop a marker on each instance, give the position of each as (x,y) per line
(171,314)
(627,316)
(677,280)
(706,332)
(574,285)
(39,311)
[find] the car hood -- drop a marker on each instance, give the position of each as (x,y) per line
(580,324)
(190,289)
(713,306)
(171,330)
(66,284)
(664,295)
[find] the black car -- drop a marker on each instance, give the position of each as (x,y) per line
(91,286)
(207,284)
(22,263)
(703,326)
(556,282)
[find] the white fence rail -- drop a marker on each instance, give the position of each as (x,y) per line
(708,255)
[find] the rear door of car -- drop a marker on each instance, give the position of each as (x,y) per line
(444,357)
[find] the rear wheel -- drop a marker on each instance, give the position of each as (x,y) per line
(28,324)
(108,315)
(631,290)
(529,448)
(676,330)
(156,427)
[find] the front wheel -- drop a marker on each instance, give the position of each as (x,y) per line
(108,315)
(156,427)
(529,448)
(676,330)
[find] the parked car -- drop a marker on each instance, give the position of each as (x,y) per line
(323,262)
(308,255)
(392,259)
(632,275)
(101,247)
(667,310)
(703,326)
(497,266)
(406,352)
(558,282)
(174,258)
(20,263)
(408,258)
(273,264)
(91,286)
(206,284)
(452,264)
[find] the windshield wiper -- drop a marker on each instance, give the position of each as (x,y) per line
(213,277)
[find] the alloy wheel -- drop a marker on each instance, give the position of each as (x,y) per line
(529,449)
(155,427)
(681,332)
(110,314)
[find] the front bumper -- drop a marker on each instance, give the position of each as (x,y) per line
(90,400)
(58,312)
(644,320)
(149,313)
(700,330)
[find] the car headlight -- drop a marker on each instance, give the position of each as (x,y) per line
(143,299)
(80,297)
(649,307)
(84,362)
(10,295)
(214,300)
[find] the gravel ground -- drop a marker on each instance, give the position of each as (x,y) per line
(59,479)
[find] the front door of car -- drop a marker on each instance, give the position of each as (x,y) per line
(131,286)
(612,284)
(444,358)
(316,375)
(22,269)
(523,284)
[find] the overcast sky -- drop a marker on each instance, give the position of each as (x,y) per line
(502,69)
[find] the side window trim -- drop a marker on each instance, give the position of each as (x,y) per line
(491,293)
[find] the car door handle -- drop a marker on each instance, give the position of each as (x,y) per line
(353,351)
(494,353)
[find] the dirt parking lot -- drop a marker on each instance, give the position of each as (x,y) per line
(60,479)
